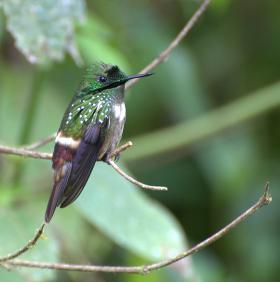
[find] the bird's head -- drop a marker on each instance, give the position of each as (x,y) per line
(102,76)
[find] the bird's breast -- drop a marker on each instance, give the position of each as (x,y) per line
(114,130)
(119,111)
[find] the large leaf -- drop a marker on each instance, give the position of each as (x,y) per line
(130,218)
(43,30)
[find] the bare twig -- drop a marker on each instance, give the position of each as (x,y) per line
(40,143)
(265,199)
(134,181)
(121,149)
(41,155)
(7,267)
(164,54)
(127,177)
(25,248)
(24,152)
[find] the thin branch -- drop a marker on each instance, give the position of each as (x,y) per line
(24,153)
(121,149)
(41,155)
(25,248)
(181,35)
(134,181)
(127,177)
(7,267)
(265,199)
(40,143)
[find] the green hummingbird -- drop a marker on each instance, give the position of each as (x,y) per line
(90,130)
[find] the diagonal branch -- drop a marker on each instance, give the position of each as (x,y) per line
(120,149)
(265,199)
(134,181)
(24,152)
(41,155)
(126,176)
(31,243)
(41,142)
(180,36)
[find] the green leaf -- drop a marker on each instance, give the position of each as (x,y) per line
(130,218)
(17,227)
(43,30)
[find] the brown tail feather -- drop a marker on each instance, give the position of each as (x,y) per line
(58,191)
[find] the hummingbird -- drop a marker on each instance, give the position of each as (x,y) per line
(90,131)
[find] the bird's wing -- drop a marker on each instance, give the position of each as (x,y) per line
(83,163)
(72,168)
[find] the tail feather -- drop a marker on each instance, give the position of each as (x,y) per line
(58,191)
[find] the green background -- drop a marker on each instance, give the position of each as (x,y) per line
(205,125)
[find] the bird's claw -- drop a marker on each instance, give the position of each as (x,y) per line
(107,158)
(117,157)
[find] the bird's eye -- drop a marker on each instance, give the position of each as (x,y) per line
(102,78)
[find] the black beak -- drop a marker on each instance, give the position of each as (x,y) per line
(138,76)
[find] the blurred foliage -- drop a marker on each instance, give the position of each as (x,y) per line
(43,30)
(225,73)
(18,224)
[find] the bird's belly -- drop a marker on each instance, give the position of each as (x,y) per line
(114,131)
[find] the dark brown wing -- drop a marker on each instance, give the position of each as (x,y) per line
(73,169)
(83,163)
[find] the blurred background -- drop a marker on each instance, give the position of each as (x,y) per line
(205,126)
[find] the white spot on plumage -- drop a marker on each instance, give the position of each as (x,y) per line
(119,111)
(66,141)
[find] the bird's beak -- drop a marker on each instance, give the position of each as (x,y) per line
(137,76)
(129,77)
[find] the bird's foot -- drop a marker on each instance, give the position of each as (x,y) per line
(117,157)
(107,158)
